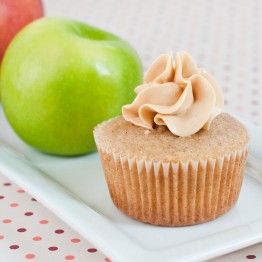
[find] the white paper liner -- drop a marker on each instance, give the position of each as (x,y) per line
(173,194)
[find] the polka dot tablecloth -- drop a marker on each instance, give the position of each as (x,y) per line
(29,231)
(225,37)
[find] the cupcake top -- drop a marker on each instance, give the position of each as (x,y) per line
(176,94)
(225,136)
(176,116)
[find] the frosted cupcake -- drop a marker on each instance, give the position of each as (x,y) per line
(173,158)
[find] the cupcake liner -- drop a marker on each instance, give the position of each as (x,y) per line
(173,194)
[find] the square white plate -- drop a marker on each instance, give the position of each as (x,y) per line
(75,190)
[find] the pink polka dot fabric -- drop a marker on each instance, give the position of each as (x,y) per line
(224,38)
(29,231)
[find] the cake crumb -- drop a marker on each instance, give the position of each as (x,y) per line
(147,132)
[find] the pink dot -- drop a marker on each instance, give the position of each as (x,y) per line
(241,73)
(214,62)
(43,222)
(255,81)
(239,108)
(7,184)
(59,231)
(1,197)
(14,205)
(69,257)
(2,237)
(107,259)
(239,96)
(226,78)
(37,238)
(21,230)
(52,248)
(7,221)
(28,214)
(14,247)
(21,191)
(75,240)
(255,69)
(92,250)
(250,256)
(240,85)
(30,256)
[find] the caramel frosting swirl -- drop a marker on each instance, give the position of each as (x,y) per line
(176,94)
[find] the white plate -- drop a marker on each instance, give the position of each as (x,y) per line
(75,190)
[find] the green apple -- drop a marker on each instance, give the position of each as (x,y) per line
(59,78)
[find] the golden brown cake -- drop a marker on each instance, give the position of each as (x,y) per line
(173,158)
(158,178)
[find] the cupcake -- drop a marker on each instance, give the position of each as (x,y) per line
(172,158)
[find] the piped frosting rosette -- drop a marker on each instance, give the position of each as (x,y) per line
(176,94)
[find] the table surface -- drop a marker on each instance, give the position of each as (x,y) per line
(223,36)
